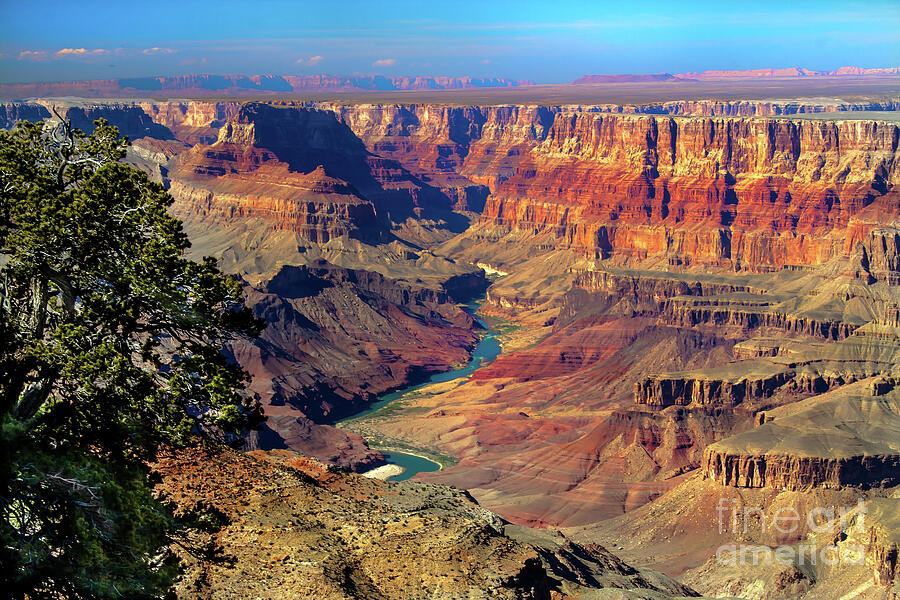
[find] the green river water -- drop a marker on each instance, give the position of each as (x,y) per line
(484,353)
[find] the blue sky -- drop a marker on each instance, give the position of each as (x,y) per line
(548,42)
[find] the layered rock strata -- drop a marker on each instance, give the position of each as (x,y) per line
(751,194)
(741,192)
(846,437)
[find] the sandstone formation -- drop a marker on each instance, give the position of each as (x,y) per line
(681,532)
(708,191)
(752,194)
(708,292)
(549,434)
(847,437)
(12,112)
(336,338)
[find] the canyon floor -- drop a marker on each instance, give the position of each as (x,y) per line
(695,287)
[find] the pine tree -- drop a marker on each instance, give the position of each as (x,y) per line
(110,348)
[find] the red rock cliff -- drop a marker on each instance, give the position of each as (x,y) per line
(747,193)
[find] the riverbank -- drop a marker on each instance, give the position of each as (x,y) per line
(384,472)
(402,465)
(414,459)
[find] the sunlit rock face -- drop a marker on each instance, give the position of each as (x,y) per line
(753,194)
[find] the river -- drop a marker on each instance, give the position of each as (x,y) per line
(484,353)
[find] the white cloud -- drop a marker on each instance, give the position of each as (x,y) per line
(311,61)
(157,50)
(80,52)
(32,55)
(384,62)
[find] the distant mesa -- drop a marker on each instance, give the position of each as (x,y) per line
(640,78)
(791,73)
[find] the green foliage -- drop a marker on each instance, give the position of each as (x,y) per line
(110,346)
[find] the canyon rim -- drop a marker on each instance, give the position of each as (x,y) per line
(530,332)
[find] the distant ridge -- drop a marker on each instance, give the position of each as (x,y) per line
(624,78)
(793,72)
(245,85)
(236,84)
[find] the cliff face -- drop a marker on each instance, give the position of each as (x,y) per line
(741,192)
(335,339)
(797,473)
(192,122)
(12,112)
(235,178)
(750,314)
(263,150)
(845,437)
(744,193)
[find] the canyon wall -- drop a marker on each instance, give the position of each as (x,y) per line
(849,436)
(745,193)
(753,193)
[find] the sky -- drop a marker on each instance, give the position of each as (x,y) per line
(552,41)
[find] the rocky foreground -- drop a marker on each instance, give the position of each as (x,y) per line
(278,525)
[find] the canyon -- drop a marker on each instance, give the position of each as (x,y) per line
(707,297)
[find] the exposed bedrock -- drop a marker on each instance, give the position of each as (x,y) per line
(795,472)
(264,150)
(752,108)
(751,193)
(746,192)
(883,521)
(12,112)
(483,144)
(650,291)
(880,254)
(688,311)
(130,118)
(672,389)
(370,539)
(849,436)
(742,192)
(768,372)
(549,434)
(193,122)
(317,207)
